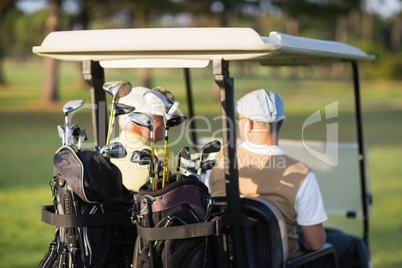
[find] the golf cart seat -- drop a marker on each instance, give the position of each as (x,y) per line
(266,241)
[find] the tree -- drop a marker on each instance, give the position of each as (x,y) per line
(5,6)
(330,18)
(396,33)
(49,93)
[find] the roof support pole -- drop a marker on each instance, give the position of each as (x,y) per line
(190,107)
(95,77)
(225,83)
(366,199)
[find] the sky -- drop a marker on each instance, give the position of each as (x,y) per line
(29,6)
(385,8)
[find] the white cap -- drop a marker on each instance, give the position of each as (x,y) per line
(136,99)
(261,105)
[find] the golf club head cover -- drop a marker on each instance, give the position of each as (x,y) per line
(92,177)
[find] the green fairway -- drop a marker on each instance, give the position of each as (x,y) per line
(29,139)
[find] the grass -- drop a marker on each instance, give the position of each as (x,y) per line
(29,139)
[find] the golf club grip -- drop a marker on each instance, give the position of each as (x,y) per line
(155,177)
(165,162)
(110,126)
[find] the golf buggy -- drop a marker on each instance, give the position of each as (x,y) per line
(259,239)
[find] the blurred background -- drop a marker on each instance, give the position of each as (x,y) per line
(34,89)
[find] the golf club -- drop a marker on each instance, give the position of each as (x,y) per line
(62,133)
(170,120)
(158,165)
(72,134)
(210,147)
(144,158)
(68,109)
(114,150)
(144,120)
(122,108)
(187,173)
(117,89)
(184,153)
(174,107)
(81,138)
(157,95)
(208,164)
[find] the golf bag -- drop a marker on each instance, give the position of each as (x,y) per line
(173,224)
(91,209)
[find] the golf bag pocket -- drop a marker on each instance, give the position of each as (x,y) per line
(173,224)
(91,208)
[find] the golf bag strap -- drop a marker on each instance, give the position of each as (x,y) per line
(212,227)
(94,220)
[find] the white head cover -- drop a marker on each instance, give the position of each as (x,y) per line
(261,105)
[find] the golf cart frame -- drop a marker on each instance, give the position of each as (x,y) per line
(196,48)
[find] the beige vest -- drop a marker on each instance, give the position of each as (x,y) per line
(276,178)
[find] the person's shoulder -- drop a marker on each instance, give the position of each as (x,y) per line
(295,164)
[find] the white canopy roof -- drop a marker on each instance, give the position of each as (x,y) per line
(191,47)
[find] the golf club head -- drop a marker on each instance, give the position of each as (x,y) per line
(158,163)
(139,158)
(114,150)
(122,108)
(152,97)
(185,153)
(146,152)
(209,164)
(72,106)
(82,137)
(117,89)
(62,132)
(187,173)
(174,107)
(141,119)
(144,157)
(73,134)
(172,120)
(211,147)
(167,95)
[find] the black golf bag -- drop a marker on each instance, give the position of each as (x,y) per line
(91,209)
(173,224)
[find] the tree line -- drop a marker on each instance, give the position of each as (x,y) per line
(346,21)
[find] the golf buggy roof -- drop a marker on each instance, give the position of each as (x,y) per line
(191,47)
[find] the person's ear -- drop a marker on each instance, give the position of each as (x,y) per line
(249,125)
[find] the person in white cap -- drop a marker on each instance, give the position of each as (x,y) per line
(266,170)
(135,137)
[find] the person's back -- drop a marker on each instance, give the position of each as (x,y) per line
(266,170)
(275,177)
